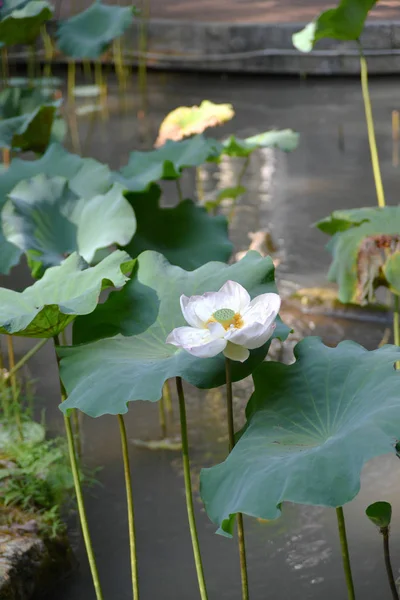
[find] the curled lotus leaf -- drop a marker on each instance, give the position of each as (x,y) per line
(45,308)
(21,20)
(88,34)
(185,121)
(49,221)
(346,23)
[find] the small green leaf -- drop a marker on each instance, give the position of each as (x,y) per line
(89,33)
(364,246)
(285,139)
(45,308)
(310,429)
(103,376)
(86,177)
(145,168)
(346,22)
(21,21)
(186,234)
(225,194)
(380,514)
(48,221)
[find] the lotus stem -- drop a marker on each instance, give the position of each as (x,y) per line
(371,131)
(17,366)
(129,501)
(87,70)
(48,51)
(31,64)
(395,137)
(345,552)
(6,157)
(71,82)
(199,186)
(167,398)
(388,563)
(78,490)
(142,70)
(231,434)
(188,491)
(4,65)
(14,387)
(179,188)
(120,71)
(239,181)
(161,417)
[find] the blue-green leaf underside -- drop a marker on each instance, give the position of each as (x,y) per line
(311,427)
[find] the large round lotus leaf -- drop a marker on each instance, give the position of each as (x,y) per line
(364,246)
(86,177)
(345,22)
(46,307)
(311,427)
(102,377)
(21,21)
(189,120)
(89,33)
(145,168)
(186,234)
(48,221)
(285,139)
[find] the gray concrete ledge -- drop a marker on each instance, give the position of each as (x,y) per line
(261,48)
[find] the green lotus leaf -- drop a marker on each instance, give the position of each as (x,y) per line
(103,376)
(73,288)
(145,168)
(364,247)
(86,177)
(284,139)
(31,131)
(310,428)
(89,33)
(189,120)
(186,234)
(48,221)
(380,514)
(19,101)
(346,22)
(21,21)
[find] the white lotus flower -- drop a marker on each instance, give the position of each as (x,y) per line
(226,321)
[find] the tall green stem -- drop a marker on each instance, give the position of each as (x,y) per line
(388,563)
(179,188)
(188,491)
(371,131)
(345,553)
(78,491)
(167,398)
(162,417)
(231,433)
(17,366)
(14,387)
(129,501)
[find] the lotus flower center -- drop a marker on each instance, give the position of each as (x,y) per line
(227,318)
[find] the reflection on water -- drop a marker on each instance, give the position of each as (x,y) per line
(297,555)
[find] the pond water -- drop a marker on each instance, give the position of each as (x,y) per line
(297,555)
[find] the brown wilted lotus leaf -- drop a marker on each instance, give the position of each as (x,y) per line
(374,252)
(189,120)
